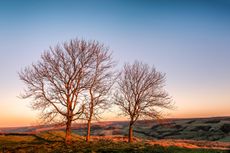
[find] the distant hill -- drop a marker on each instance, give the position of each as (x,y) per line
(212,129)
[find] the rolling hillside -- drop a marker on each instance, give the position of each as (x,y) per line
(211,129)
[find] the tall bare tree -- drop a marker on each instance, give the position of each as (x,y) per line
(140,93)
(58,81)
(101,79)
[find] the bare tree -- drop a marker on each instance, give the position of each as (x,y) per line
(58,81)
(140,93)
(102,77)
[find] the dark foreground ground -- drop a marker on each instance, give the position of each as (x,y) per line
(198,135)
(53,142)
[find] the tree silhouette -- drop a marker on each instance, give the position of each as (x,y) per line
(102,77)
(140,93)
(59,81)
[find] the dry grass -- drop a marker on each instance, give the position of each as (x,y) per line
(53,141)
(15,138)
(191,144)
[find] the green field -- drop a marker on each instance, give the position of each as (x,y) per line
(210,129)
(54,142)
(204,132)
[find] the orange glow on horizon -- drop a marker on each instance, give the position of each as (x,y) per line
(27,121)
(15,122)
(16,112)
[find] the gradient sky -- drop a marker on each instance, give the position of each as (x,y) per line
(189,40)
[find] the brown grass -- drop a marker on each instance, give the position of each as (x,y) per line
(191,144)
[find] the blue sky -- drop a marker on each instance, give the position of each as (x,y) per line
(188,40)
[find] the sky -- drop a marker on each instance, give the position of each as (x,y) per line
(188,40)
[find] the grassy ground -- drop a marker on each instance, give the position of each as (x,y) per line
(53,142)
(204,129)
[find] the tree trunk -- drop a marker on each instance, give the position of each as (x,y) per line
(88,130)
(68,131)
(90,116)
(130,133)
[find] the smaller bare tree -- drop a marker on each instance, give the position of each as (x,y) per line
(140,93)
(101,79)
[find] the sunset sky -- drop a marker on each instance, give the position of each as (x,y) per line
(189,40)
